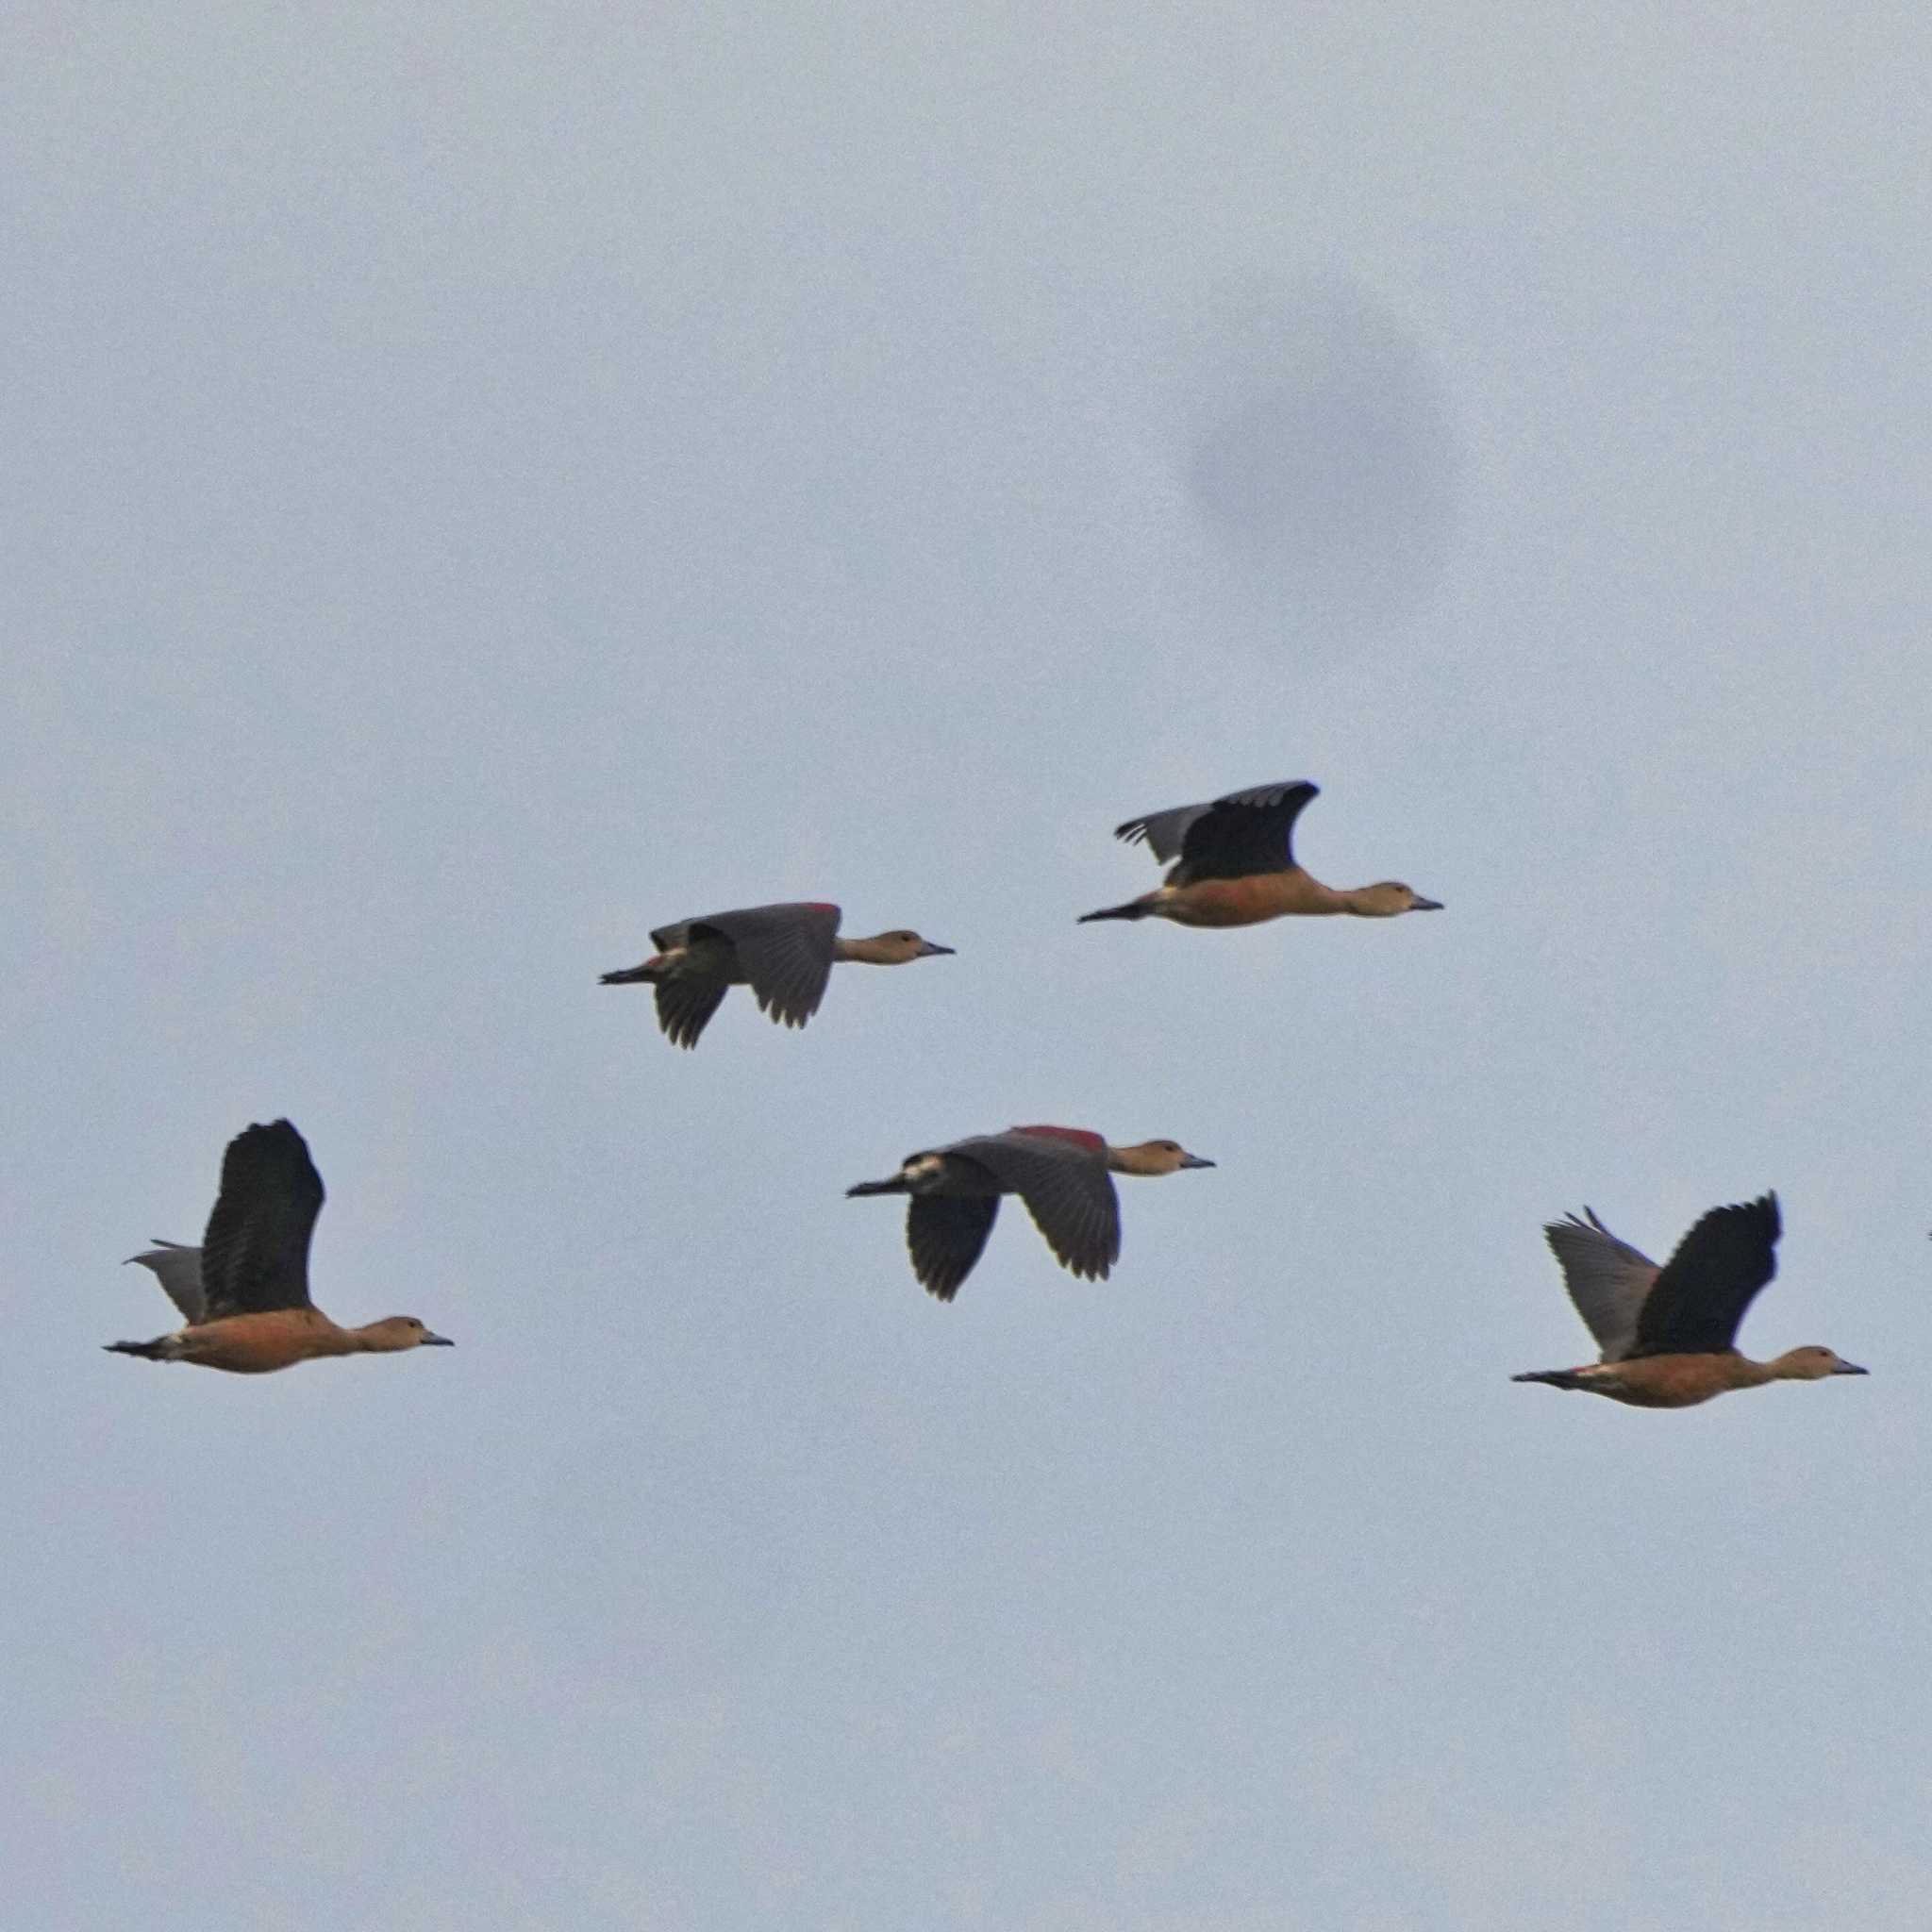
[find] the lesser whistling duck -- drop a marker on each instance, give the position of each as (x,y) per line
(785,954)
(243,1293)
(1063,1175)
(1667,1335)
(1237,865)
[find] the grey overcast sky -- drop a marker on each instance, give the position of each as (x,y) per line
(483,480)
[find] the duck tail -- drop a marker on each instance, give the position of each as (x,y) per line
(1556,1378)
(651,970)
(162,1349)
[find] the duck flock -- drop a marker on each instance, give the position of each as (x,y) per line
(1666,1337)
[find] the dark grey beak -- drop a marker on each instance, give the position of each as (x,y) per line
(1196,1161)
(926,949)
(1422,904)
(1850,1369)
(436,1341)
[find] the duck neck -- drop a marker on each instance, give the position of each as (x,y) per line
(1364,902)
(324,1338)
(870,952)
(372,1337)
(1295,890)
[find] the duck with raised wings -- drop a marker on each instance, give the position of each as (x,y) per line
(1235,865)
(243,1293)
(1668,1334)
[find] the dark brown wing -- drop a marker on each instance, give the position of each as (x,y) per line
(254,1254)
(1700,1296)
(945,1234)
(1609,1280)
(785,953)
(1233,837)
(685,1005)
(1066,1187)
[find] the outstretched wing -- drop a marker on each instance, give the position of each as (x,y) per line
(685,1004)
(177,1268)
(1232,838)
(1700,1296)
(785,953)
(1067,1190)
(254,1254)
(945,1234)
(1608,1279)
